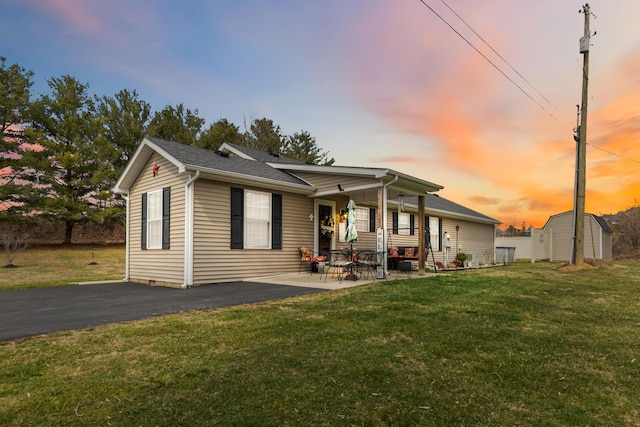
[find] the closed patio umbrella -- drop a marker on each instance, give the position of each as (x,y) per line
(351,235)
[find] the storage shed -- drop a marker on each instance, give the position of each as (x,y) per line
(597,236)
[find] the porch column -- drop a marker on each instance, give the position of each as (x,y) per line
(379,212)
(421,236)
(381,222)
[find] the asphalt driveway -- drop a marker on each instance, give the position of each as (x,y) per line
(38,311)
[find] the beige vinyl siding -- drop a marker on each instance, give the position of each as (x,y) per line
(597,242)
(607,243)
(327,182)
(215,261)
(366,240)
(400,239)
(562,226)
(164,266)
(592,233)
(473,238)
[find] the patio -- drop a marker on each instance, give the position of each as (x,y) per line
(313,281)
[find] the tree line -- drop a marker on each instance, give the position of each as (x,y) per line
(62,151)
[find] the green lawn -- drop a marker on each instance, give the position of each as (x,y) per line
(59,265)
(525,345)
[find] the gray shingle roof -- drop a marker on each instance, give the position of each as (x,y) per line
(263,156)
(438,203)
(603,223)
(207,159)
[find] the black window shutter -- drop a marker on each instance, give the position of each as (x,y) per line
(166,214)
(372,220)
(395,222)
(439,234)
(143,242)
(237,218)
(412,224)
(276,221)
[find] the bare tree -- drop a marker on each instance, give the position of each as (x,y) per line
(626,231)
(14,243)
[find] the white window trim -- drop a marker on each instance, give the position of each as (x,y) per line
(154,221)
(404,224)
(362,219)
(247,220)
(434,235)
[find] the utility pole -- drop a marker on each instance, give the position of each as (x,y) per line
(578,247)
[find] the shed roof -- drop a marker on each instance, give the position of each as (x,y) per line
(600,220)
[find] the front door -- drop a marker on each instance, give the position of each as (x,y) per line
(326,228)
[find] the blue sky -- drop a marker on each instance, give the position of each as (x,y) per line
(378,83)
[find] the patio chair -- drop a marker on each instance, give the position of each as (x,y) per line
(338,263)
(307,257)
(368,263)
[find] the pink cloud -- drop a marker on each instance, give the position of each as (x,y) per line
(483,126)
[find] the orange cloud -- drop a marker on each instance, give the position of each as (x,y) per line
(485,129)
(481,200)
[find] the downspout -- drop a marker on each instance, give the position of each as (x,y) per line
(188,231)
(384,222)
(126,238)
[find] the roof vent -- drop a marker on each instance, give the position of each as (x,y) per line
(274,154)
(222,153)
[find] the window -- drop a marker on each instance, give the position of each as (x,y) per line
(155,219)
(404,223)
(256,219)
(362,219)
(434,233)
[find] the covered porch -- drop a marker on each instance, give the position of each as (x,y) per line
(381,215)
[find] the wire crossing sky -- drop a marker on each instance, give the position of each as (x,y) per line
(377,83)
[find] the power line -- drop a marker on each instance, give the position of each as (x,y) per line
(488,60)
(612,153)
(512,68)
(500,56)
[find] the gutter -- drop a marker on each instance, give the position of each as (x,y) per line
(188,230)
(384,222)
(126,240)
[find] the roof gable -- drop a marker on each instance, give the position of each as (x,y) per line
(188,158)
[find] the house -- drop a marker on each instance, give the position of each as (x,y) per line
(469,232)
(196,216)
(597,236)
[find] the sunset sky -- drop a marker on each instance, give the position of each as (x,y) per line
(378,83)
